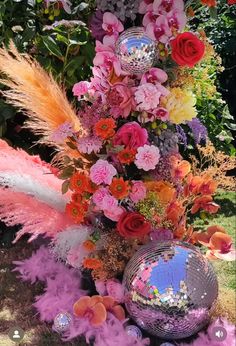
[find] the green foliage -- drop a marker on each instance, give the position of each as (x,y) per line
(61,42)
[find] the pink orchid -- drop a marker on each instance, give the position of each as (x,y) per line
(159,31)
(154,75)
(106,57)
(165,6)
(147,157)
(80,89)
(176,20)
(161,114)
(120,99)
(112,26)
(150,17)
(147,97)
(145,5)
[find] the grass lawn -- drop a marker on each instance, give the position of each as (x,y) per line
(17,297)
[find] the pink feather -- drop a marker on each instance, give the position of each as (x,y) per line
(29,174)
(35,217)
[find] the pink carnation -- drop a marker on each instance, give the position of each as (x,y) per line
(147,97)
(80,89)
(147,157)
(138,191)
(102,172)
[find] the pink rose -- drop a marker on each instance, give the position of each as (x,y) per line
(115,289)
(99,195)
(111,208)
(131,135)
(120,99)
(138,191)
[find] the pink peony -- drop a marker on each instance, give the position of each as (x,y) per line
(154,75)
(159,31)
(99,195)
(80,89)
(138,191)
(120,99)
(147,97)
(115,289)
(102,172)
(131,135)
(147,157)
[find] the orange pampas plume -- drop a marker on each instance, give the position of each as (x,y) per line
(36,93)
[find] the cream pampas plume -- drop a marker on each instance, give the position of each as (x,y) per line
(36,218)
(36,93)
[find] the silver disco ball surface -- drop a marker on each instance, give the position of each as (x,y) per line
(170,289)
(136,51)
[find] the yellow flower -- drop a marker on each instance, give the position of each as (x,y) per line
(181,105)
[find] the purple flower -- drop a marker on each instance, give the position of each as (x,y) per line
(95,25)
(62,132)
(161,234)
(181,135)
(199,131)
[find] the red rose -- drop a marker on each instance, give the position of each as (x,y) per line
(231,2)
(133,225)
(187,49)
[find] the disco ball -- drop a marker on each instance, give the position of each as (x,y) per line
(170,289)
(62,321)
(136,51)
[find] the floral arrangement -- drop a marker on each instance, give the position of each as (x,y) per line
(124,181)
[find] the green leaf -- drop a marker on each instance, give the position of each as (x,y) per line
(67,172)
(213,12)
(51,45)
(65,186)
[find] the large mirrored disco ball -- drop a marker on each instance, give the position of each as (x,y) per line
(136,51)
(170,289)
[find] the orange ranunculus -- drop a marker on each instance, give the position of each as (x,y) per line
(174,212)
(208,186)
(164,191)
(126,155)
(206,203)
(119,188)
(89,245)
(79,182)
(76,211)
(193,185)
(180,169)
(95,309)
(218,242)
(209,3)
(105,128)
(92,263)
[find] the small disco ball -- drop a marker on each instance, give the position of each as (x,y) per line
(136,51)
(62,321)
(170,289)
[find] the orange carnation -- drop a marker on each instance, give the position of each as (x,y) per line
(119,188)
(104,128)
(209,3)
(89,245)
(79,182)
(76,211)
(127,156)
